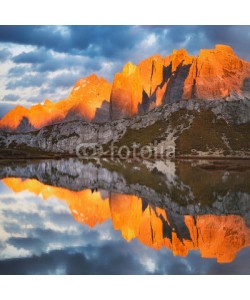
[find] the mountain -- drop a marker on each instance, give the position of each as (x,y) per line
(210,213)
(87,96)
(216,74)
(180,105)
(213,75)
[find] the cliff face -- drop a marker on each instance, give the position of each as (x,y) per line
(216,74)
(213,75)
(126,92)
(88,95)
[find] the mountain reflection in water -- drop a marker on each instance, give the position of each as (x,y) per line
(181,206)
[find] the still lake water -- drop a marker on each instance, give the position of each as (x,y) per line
(135,217)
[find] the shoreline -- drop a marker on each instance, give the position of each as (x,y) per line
(177,158)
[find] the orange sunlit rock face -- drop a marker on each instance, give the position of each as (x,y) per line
(212,75)
(217,74)
(126,92)
(87,95)
(151,72)
(220,237)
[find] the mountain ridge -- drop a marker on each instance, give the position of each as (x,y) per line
(216,74)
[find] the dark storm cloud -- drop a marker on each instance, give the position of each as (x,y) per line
(73,261)
(36,220)
(42,60)
(83,250)
(18,71)
(115,41)
(115,258)
(107,259)
(5,54)
(47,36)
(39,239)
(93,40)
(83,50)
(11,97)
(33,57)
(53,64)
(28,243)
(23,218)
(26,81)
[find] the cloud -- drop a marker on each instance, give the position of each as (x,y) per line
(42,237)
(5,54)
(92,40)
(38,58)
(11,97)
(33,57)
(26,81)
(47,36)
(115,42)
(18,71)
(115,258)
(194,38)
(28,243)
(43,60)
(107,260)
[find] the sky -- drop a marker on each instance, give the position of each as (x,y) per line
(44,62)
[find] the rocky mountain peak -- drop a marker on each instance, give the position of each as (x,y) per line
(47,102)
(129,69)
(224,48)
(177,58)
(215,74)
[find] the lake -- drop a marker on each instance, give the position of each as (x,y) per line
(71,216)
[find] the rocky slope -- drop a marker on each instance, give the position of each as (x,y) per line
(162,204)
(216,74)
(185,128)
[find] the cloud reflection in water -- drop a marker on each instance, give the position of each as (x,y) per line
(42,237)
